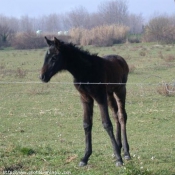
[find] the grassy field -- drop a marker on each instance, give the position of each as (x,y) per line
(41,124)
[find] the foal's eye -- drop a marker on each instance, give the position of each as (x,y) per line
(54,59)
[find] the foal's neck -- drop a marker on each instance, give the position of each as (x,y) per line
(79,65)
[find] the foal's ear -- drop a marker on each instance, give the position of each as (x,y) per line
(57,42)
(49,42)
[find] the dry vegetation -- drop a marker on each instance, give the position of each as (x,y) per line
(166,89)
(132,68)
(102,35)
(28,40)
(169,58)
(105,28)
(160,29)
(105,35)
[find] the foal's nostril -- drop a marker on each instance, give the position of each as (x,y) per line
(44,78)
(41,77)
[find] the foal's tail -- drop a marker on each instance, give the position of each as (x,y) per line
(125,68)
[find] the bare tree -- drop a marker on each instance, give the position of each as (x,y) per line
(79,17)
(52,23)
(11,22)
(26,24)
(114,12)
(6,34)
(172,19)
(95,20)
(135,23)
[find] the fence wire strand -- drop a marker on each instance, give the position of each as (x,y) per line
(86,83)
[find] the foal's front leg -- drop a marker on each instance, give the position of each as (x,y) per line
(87,124)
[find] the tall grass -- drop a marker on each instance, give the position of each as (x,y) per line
(105,35)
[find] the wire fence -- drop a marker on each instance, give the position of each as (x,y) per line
(87,83)
(168,88)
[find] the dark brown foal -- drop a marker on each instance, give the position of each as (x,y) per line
(100,79)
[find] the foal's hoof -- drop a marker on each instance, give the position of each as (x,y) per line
(82,164)
(127,157)
(119,164)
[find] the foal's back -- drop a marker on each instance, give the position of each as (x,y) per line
(116,69)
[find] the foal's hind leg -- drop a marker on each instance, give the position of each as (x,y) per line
(102,102)
(113,105)
(87,124)
(122,116)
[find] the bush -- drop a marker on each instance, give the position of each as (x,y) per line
(142,53)
(76,34)
(132,68)
(169,58)
(62,37)
(6,35)
(160,29)
(28,40)
(21,73)
(134,38)
(105,35)
(166,89)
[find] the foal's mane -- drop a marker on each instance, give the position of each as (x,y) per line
(75,49)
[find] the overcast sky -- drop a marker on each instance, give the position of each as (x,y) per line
(35,8)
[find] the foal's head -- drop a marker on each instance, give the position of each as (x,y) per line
(53,61)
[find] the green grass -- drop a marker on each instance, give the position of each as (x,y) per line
(41,124)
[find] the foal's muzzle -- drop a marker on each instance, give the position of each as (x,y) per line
(43,78)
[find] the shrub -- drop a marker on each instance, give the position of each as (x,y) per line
(28,40)
(76,34)
(65,38)
(161,55)
(21,73)
(131,68)
(105,35)
(142,53)
(2,65)
(160,29)
(166,89)
(169,34)
(169,58)
(6,35)
(134,38)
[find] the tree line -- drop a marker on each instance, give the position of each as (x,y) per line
(113,12)
(110,12)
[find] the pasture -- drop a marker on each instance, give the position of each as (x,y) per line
(41,124)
